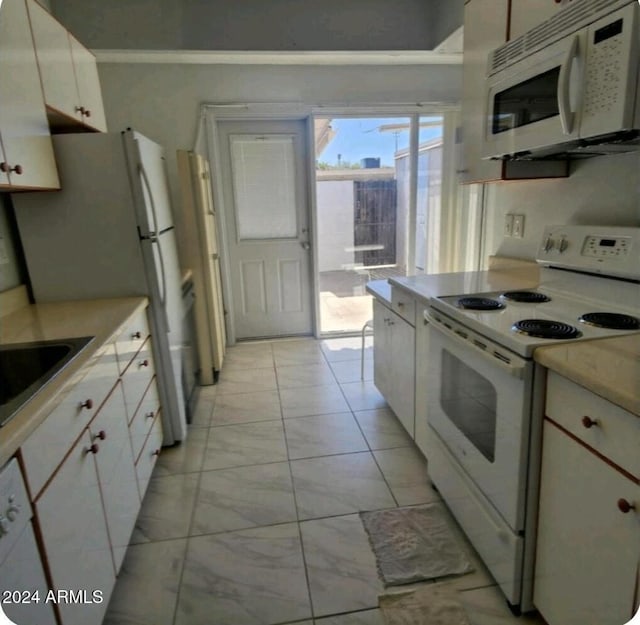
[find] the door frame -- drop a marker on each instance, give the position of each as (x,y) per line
(211,115)
(208,140)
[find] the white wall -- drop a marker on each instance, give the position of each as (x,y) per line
(260,24)
(603,190)
(334,200)
(163,101)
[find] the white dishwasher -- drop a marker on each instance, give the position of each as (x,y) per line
(23,587)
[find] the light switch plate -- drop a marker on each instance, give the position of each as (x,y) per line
(508,225)
(517,229)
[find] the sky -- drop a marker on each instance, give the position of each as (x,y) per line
(358,138)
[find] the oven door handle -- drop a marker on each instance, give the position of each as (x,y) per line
(516,369)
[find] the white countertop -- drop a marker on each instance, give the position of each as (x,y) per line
(102,319)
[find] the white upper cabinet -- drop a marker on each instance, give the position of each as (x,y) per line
(485,28)
(69,75)
(27,157)
(88,84)
(525,14)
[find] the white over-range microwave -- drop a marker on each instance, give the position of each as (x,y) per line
(568,86)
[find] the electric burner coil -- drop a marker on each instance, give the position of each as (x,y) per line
(479,303)
(546,329)
(611,321)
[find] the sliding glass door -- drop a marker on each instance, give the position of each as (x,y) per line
(386,205)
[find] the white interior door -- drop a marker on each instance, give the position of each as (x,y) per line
(264,168)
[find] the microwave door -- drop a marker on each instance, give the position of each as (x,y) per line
(534,104)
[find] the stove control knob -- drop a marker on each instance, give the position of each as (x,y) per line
(564,244)
(548,244)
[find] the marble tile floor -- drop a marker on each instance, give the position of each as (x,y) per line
(254,519)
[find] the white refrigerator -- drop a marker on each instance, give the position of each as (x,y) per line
(109,233)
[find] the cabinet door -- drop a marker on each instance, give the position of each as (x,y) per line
(55,63)
(382,348)
(588,551)
(485,28)
(525,14)
(74,534)
(422,372)
(402,397)
(88,83)
(116,472)
(24,130)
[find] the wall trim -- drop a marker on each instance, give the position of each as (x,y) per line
(242,57)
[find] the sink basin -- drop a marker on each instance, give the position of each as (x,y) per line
(26,367)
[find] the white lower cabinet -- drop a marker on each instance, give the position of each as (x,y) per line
(588,553)
(75,536)
(116,473)
(394,363)
(86,481)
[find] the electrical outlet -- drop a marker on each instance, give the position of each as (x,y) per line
(517,230)
(508,225)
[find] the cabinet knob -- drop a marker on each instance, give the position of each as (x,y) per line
(6,168)
(624,506)
(86,113)
(136,335)
(94,449)
(400,304)
(102,435)
(80,109)
(588,422)
(150,414)
(88,404)
(156,452)
(144,363)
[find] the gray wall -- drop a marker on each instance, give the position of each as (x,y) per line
(163,101)
(603,190)
(261,24)
(11,268)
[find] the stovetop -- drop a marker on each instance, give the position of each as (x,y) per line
(564,301)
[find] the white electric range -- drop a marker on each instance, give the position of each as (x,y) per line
(485,393)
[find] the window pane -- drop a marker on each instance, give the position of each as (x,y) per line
(264,186)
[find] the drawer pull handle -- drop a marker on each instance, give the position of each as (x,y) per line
(588,422)
(150,415)
(136,335)
(156,452)
(5,168)
(88,404)
(624,506)
(94,449)
(144,363)
(102,435)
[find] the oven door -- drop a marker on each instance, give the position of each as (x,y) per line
(534,104)
(480,406)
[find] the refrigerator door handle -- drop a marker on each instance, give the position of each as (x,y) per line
(153,237)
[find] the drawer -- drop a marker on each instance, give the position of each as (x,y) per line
(131,339)
(44,450)
(615,433)
(149,455)
(144,418)
(403,304)
(137,377)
